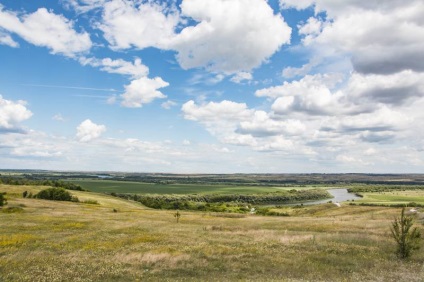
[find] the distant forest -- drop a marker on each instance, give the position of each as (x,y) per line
(228,179)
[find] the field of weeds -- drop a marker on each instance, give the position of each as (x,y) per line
(119,240)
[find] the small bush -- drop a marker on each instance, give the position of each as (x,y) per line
(12,210)
(56,194)
(177,215)
(3,200)
(91,202)
(406,237)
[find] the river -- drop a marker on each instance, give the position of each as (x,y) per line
(339,194)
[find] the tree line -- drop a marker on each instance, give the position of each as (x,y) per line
(224,202)
(44,182)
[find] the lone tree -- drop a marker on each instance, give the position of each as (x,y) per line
(177,215)
(406,237)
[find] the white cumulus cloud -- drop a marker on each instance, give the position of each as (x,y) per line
(134,69)
(88,130)
(241,76)
(380,37)
(230,36)
(129,24)
(213,111)
(168,104)
(6,39)
(44,28)
(142,91)
(222,36)
(12,113)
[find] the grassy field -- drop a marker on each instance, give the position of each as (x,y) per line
(395,197)
(108,186)
(64,241)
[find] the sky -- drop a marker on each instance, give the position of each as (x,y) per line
(212,86)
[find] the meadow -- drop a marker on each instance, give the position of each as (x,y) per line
(121,240)
(393,197)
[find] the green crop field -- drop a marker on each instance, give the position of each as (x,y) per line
(108,186)
(120,240)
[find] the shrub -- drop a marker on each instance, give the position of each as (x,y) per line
(12,210)
(407,239)
(56,194)
(3,200)
(91,202)
(177,215)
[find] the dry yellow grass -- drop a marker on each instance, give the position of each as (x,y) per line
(63,241)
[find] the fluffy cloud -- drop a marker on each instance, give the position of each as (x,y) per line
(126,24)
(311,95)
(383,119)
(142,91)
(230,36)
(227,37)
(338,8)
(83,6)
(241,76)
(373,98)
(310,30)
(211,112)
(11,114)
(6,39)
(380,38)
(136,69)
(319,115)
(168,104)
(236,124)
(220,119)
(394,89)
(44,28)
(261,125)
(88,131)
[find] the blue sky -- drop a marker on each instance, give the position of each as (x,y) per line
(212,86)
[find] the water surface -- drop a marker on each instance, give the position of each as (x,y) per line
(339,194)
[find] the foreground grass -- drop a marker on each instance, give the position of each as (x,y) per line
(61,241)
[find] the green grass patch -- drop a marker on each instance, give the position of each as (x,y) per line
(11,209)
(394,197)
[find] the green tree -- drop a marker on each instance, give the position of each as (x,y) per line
(406,237)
